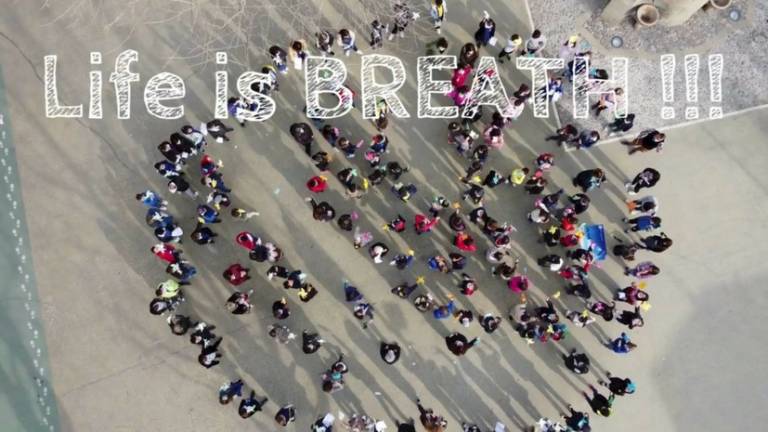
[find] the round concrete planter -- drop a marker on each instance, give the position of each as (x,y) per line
(718,4)
(647,15)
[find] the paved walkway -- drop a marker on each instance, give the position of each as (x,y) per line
(26,401)
(706,33)
(116,367)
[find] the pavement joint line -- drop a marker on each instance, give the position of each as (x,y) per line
(679,125)
(533,27)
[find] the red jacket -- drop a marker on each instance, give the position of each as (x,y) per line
(317,184)
(465,242)
(423,224)
(236,274)
(165,252)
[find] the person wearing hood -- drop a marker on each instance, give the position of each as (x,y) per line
(458,344)
(619,386)
(390,352)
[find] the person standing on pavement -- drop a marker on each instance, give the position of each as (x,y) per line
(203,235)
(513,47)
(644,270)
(179,324)
(631,319)
(608,101)
(486,31)
(437,11)
(209,357)
(218,130)
(622,344)
(298,53)
(286,414)
(576,362)
(600,404)
(280,333)
(619,386)
(431,421)
(569,49)
(403,17)
(632,294)
(621,125)
(180,185)
(458,344)
(250,405)
(238,303)
(586,139)
(310,342)
(642,223)
(588,180)
(279,58)
(437,47)
(577,420)
(647,178)
(236,274)
(468,55)
(647,141)
(346,40)
(230,390)
(655,243)
(565,134)
(489,322)
(389,352)
(377,34)
(407,426)
(535,43)
(324,42)
(303,135)
(167,252)
(152,200)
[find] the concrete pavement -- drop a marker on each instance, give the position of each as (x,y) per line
(116,367)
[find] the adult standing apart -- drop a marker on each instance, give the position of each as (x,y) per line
(655,243)
(647,140)
(619,386)
(646,178)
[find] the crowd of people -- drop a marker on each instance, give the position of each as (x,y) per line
(556,216)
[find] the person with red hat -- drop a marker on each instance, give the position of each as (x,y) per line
(317,184)
(423,224)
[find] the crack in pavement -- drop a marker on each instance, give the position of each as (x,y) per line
(79,121)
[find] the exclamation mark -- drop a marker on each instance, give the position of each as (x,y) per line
(692,86)
(716,85)
(668,85)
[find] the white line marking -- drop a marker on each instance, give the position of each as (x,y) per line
(678,125)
